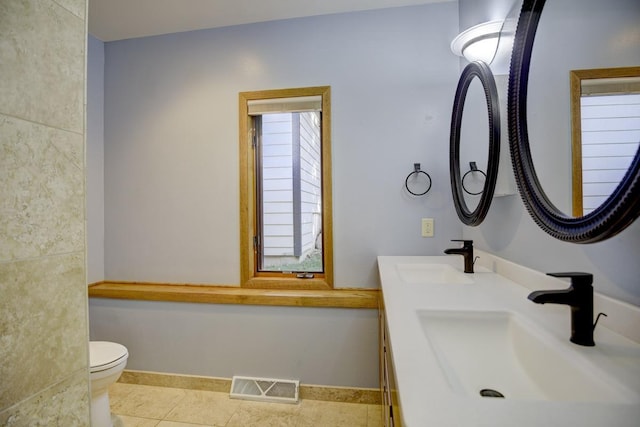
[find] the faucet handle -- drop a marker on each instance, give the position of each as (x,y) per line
(577,278)
(466,242)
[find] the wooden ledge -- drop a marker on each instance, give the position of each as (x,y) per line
(338,298)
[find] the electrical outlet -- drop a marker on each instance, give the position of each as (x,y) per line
(427,227)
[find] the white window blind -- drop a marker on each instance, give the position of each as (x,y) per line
(297,104)
(610,139)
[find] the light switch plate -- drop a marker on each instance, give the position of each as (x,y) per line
(427,227)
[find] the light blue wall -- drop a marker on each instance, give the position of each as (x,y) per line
(171,138)
(572,35)
(171,183)
(474,12)
(336,347)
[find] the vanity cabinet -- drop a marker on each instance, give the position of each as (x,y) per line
(390,404)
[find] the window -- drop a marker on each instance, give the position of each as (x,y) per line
(285,188)
(605,130)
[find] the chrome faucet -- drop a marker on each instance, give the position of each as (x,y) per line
(579,296)
(466,251)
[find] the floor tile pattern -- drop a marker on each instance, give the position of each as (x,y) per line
(150,406)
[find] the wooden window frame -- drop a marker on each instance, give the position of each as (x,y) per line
(250,277)
(575,79)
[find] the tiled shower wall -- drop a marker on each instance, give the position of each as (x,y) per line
(43,294)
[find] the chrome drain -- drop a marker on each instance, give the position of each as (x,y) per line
(487,392)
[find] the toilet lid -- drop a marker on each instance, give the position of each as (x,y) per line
(104,355)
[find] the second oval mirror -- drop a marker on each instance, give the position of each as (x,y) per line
(474,143)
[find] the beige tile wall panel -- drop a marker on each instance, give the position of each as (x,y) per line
(44,377)
(64,404)
(42,192)
(43,334)
(77,7)
(42,46)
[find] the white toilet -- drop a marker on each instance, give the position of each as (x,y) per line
(107,360)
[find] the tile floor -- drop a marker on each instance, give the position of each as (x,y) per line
(147,406)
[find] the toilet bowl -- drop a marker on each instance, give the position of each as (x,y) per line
(107,360)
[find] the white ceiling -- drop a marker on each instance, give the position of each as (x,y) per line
(111,20)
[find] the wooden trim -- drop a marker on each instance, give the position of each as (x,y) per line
(285,281)
(576,143)
(327,201)
(607,73)
(249,277)
(247,193)
(333,298)
(369,396)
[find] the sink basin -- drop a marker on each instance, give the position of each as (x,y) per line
(502,352)
(432,273)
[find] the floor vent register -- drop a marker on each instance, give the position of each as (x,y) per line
(265,389)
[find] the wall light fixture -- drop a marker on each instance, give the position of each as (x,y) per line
(479,42)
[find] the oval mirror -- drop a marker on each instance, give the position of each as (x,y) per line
(468,150)
(539,118)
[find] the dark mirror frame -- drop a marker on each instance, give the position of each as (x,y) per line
(615,214)
(480,70)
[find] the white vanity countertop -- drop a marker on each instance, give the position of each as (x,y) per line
(426,397)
